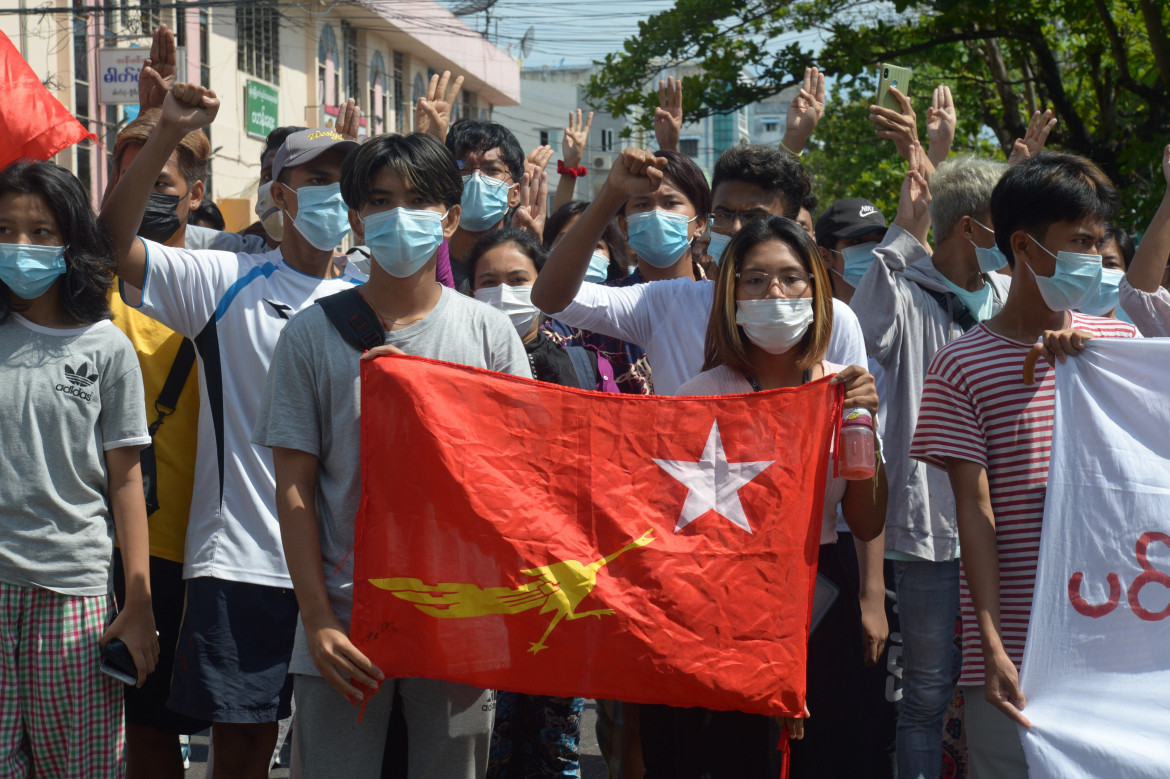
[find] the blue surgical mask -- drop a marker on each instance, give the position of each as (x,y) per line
(484,203)
(981,302)
(718,243)
(659,237)
(322,216)
(1106,297)
(29,270)
(1074,281)
(402,240)
(598,268)
(990,259)
(857,261)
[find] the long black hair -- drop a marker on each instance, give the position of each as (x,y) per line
(89,253)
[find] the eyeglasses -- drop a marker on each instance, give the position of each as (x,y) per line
(726,219)
(756,284)
(491,170)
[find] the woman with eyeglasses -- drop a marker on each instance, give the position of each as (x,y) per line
(769,329)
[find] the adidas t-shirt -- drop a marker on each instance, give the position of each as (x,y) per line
(976,407)
(234,307)
(69,397)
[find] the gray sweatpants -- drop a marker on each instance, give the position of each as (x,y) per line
(994,750)
(449,730)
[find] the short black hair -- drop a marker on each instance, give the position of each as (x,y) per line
(521,239)
(1124,242)
(89,253)
(207,215)
(1047,189)
(766,167)
(472,135)
(423,162)
(276,139)
(810,204)
(619,251)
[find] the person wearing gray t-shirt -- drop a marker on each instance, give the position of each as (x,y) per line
(310,417)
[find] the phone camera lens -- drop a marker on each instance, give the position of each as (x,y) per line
(886,73)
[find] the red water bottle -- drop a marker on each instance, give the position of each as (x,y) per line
(857,455)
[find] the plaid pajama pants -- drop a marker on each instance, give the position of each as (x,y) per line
(60,717)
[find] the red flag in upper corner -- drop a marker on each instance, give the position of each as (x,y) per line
(523,536)
(33,123)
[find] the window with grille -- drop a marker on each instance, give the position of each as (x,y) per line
(607,139)
(401,110)
(258,39)
(352,85)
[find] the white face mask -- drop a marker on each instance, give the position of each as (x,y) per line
(774,324)
(268,212)
(516,302)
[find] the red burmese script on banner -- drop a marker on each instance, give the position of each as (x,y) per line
(523,536)
(33,123)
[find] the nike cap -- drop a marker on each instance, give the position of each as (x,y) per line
(303,146)
(848,219)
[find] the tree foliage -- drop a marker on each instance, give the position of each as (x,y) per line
(1103,66)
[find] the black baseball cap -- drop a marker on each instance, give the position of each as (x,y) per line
(849,218)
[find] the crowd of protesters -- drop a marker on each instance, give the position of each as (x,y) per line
(181,420)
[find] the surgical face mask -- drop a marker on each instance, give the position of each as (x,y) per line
(598,268)
(516,302)
(485,201)
(981,302)
(267,212)
(1074,281)
(322,216)
(774,324)
(718,243)
(990,259)
(161,219)
(659,237)
(857,261)
(402,240)
(1105,299)
(29,270)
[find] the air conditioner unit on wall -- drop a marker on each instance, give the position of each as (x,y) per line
(602,162)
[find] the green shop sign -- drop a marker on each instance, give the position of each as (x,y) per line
(261,106)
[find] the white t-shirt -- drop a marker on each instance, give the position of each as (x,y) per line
(722,380)
(669,320)
(234,307)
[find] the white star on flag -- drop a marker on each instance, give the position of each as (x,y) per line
(713,483)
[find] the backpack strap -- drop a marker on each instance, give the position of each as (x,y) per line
(955,308)
(358,324)
(164,405)
(583,367)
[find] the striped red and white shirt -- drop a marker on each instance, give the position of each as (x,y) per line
(975,406)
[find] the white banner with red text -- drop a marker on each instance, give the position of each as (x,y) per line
(1096,672)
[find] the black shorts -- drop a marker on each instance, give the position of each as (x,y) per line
(147,705)
(231,662)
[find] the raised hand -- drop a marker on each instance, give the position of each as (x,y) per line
(635,172)
(189,107)
(537,160)
(163,64)
(576,138)
(1034,137)
(914,202)
(349,119)
(433,112)
(668,117)
(940,124)
(805,111)
(532,211)
(900,126)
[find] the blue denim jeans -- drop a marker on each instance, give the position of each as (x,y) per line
(928,601)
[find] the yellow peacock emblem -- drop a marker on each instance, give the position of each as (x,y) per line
(558,587)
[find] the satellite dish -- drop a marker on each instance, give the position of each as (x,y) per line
(469,7)
(527,41)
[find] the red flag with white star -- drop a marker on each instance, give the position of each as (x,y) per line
(33,123)
(523,536)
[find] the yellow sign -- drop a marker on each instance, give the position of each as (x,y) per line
(559,587)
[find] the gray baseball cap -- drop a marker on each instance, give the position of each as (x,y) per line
(305,145)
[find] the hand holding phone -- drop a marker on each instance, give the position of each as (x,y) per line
(117,662)
(892,76)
